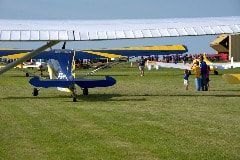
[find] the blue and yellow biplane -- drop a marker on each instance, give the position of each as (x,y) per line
(61,67)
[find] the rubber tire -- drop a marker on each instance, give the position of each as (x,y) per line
(35,92)
(74,99)
(215,72)
(85,91)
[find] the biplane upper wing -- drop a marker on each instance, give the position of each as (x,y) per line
(82,30)
(55,31)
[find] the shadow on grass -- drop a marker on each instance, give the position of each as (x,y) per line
(117,75)
(116,97)
(112,75)
(30,76)
(108,97)
(81,98)
(19,76)
(189,95)
(228,90)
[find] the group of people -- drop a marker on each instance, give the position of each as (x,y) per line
(179,58)
(201,72)
(185,58)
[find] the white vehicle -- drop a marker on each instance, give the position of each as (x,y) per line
(39,64)
(227,65)
(158,65)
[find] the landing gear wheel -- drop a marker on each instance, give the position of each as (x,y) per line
(35,92)
(85,91)
(74,92)
(27,74)
(74,99)
(215,72)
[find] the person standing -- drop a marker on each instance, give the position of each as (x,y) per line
(197,72)
(207,77)
(204,68)
(141,65)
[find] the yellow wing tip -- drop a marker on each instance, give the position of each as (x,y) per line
(15,56)
(232,78)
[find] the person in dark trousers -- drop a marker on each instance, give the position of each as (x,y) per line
(207,77)
(204,70)
(141,65)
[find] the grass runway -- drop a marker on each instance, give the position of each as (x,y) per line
(150,117)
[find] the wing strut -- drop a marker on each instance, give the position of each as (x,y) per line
(28,56)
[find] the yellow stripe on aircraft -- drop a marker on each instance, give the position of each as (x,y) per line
(15,56)
(5,49)
(107,55)
(154,48)
(141,48)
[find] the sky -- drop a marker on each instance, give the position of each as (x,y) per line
(119,9)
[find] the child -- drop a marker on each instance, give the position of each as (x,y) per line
(185,77)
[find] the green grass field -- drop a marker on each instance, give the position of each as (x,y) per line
(150,117)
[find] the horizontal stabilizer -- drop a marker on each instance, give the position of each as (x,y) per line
(91,83)
(35,81)
(63,83)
